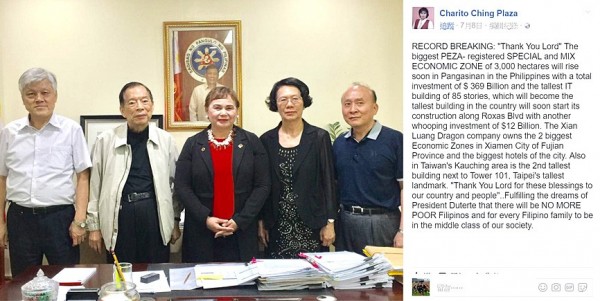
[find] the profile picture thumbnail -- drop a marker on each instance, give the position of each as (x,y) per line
(422,17)
(421,287)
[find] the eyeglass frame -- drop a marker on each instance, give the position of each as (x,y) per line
(296,99)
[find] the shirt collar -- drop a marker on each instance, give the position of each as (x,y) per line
(373,133)
(153,135)
(53,121)
(121,133)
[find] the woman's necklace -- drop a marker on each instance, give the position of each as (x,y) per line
(220,144)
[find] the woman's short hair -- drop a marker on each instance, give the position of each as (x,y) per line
(424,10)
(221,92)
(290,81)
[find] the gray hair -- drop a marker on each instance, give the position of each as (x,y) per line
(35,75)
(359,84)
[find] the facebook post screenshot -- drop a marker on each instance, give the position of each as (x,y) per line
(502,188)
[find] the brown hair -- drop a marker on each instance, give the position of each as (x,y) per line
(221,93)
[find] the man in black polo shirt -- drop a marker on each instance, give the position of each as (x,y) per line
(132,208)
(368,163)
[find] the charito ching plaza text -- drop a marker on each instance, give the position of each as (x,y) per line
(478,13)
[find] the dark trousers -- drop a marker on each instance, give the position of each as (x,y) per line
(139,239)
(34,235)
(355,231)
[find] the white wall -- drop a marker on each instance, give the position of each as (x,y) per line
(96,46)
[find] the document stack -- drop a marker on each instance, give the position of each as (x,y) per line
(225,274)
(394,255)
(349,270)
(288,274)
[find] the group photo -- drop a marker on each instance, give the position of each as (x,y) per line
(200,135)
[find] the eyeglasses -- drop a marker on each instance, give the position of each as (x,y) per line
(293,99)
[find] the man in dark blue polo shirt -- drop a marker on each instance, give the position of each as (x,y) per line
(368,163)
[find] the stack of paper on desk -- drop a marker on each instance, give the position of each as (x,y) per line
(216,275)
(288,274)
(394,255)
(348,270)
(73,276)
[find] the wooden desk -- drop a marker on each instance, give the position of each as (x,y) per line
(12,290)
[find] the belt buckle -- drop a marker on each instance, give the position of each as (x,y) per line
(39,210)
(132,197)
(361,209)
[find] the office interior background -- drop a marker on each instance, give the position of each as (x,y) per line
(96,46)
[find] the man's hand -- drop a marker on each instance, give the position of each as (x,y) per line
(3,235)
(399,240)
(77,234)
(95,241)
(176,234)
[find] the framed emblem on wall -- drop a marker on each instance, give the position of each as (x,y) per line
(199,55)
